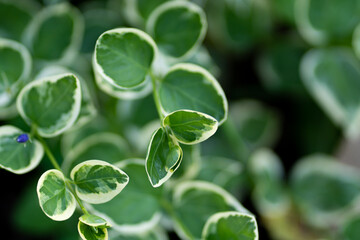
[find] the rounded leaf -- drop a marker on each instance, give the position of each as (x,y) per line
(178,27)
(18,157)
(123,57)
(187,86)
(332,77)
(88,232)
(195,202)
(190,127)
(163,157)
(55,33)
(231,225)
(98,181)
(15,68)
(56,201)
(52,103)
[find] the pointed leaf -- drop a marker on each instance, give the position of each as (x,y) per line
(178,27)
(98,181)
(123,57)
(187,86)
(93,221)
(56,201)
(190,127)
(52,103)
(18,157)
(231,225)
(88,232)
(163,157)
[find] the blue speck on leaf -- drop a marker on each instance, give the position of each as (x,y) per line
(22,138)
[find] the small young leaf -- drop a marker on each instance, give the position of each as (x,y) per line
(15,68)
(88,232)
(18,157)
(190,127)
(93,221)
(332,77)
(231,225)
(135,218)
(178,27)
(163,157)
(55,33)
(52,103)
(123,57)
(56,201)
(195,202)
(187,86)
(98,181)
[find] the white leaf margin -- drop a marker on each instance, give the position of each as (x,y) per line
(204,136)
(221,215)
(207,75)
(97,198)
(99,71)
(74,112)
(38,154)
(191,7)
(70,209)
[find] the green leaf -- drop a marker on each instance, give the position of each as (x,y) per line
(98,181)
(52,103)
(17,157)
(351,228)
(142,212)
(15,69)
(187,86)
(55,33)
(163,157)
(332,77)
(320,205)
(156,233)
(178,27)
(356,41)
(123,57)
(231,225)
(14,17)
(190,127)
(195,202)
(120,93)
(93,221)
(320,29)
(110,147)
(88,232)
(56,201)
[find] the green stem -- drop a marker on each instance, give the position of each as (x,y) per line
(156,96)
(235,141)
(56,165)
(49,153)
(68,184)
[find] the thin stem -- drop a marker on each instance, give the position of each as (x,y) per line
(56,165)
(235,141)
(68,184)
(156,96)
(49,153)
